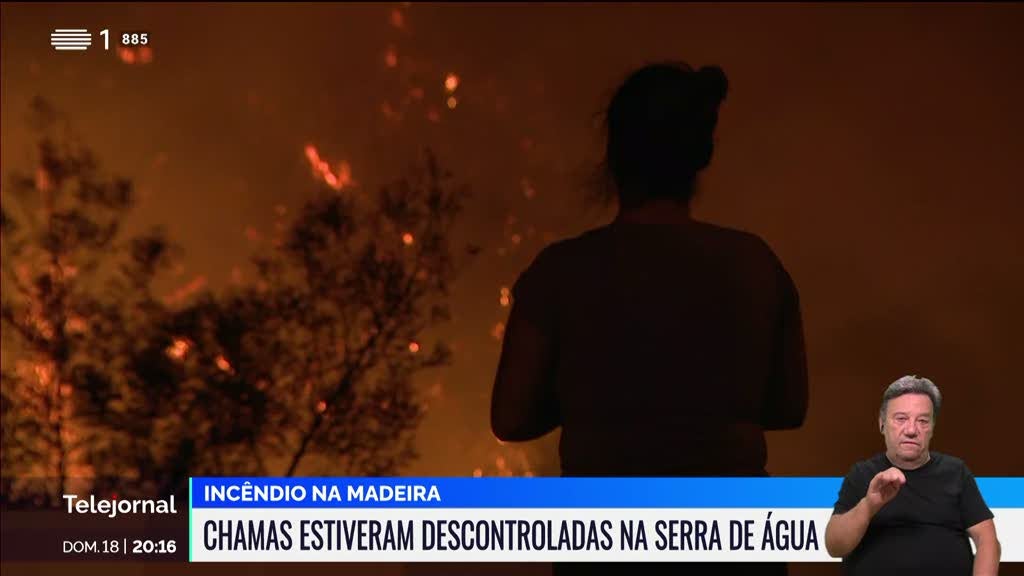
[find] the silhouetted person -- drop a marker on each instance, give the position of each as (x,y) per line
(661,345)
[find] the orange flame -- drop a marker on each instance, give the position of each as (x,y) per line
(223,363)
(139,55)
(126,54)
(397,19)
(322,170)
(178,349)
(44,327)
(76,325)
(187,290)
(44,373)
(498,331)
(509,462)
(388,112)
(451,82)
(43,183)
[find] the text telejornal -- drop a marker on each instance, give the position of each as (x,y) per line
(111,508)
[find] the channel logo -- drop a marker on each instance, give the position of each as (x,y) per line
(70,39)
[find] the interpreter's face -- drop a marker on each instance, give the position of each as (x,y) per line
(908,426)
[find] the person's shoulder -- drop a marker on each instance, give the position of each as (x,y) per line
(557,255)
(574,250)
(736,235)
(948,462)
(756,252)
(562,249)
(744,242)
(946,459)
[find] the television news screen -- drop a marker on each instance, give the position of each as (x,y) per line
(472,288)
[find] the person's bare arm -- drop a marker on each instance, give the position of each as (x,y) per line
(786,401)
(845,531)
(524,405)
(986,560)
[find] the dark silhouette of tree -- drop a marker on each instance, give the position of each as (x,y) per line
(309,368)
(65,263)
(329,337)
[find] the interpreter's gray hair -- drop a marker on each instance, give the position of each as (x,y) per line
(912,385)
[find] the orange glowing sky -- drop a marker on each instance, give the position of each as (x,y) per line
(875,147)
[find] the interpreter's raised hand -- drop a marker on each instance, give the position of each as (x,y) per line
(884,487)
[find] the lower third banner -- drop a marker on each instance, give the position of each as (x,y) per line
(533,519)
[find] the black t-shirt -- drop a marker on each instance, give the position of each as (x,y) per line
(634,337)
(923,530)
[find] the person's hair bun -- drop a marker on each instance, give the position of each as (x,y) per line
(713,84)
